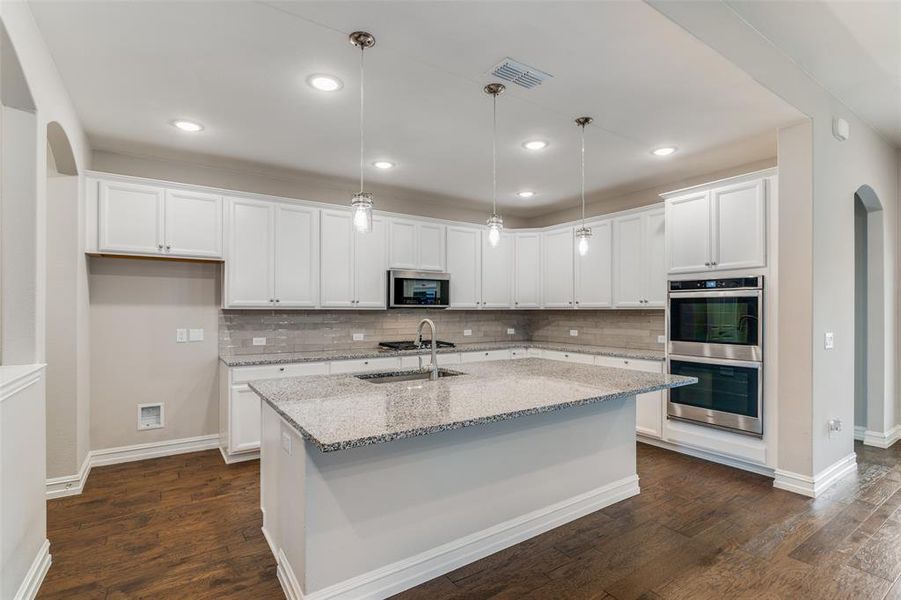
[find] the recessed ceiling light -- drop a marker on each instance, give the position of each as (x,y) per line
(525,194)
(535,145)
(325,83)
(663,151)
(383,164)
(189,126)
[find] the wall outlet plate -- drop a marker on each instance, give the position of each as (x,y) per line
(359,337)
(511,331)
(574,332)
(260,341)
(151,416)
(829,340)
(181,336)
(661,339)
(467,332)
(195,335)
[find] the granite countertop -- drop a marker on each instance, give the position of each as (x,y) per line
(244,360)
(337,412)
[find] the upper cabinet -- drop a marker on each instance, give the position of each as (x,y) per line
(497,272)
(354,265)
(464,260)
(557,268)
(717,229)
(144,219)
(416,245)
(273,257)
(527,269)
(593,277)
(639,271)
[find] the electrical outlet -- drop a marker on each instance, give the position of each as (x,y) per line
(835,426)
(574,332)
(467,332)
(829,341)
(511,331)
(181,336)
(259,341)
(661,339)
(195,335)
(286,442)
(359,337)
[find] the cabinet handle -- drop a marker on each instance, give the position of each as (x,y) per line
(570,301)
(486,354)
(516,303)
(365,362)
(160,246)
(278,299)
(625,362)
(282,369)
(168,247)
(713,263)
(577,301)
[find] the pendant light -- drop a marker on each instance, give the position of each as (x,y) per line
(583,233)
(495,222)
(361,203)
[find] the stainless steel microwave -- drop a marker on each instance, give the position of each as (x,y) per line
(418,289)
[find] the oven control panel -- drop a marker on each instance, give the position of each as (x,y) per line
(733,283)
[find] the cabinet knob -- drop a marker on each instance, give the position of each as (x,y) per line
(713,263)
(365,362)
(160,246)
(486,354)
(577,301)
(278,299)
(281,369)
(625,362)
(570,301)
(516,303)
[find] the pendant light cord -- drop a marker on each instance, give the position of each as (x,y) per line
(362,49)
(583,176)
(494,154)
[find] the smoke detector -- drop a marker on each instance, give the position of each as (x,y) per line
(520,74)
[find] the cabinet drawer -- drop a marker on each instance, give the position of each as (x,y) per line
(412,362)
(245,374)
(470,357)
(575,357)
(364,364)
(519,353)
(636,364)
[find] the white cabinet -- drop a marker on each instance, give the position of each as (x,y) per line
(650,409)
(244,420)
(273,256)
(417,245)
(639,274)
(485,355)
(718,229)
(573,357)
(497,273)
(557,268)
(144,219)
(593,279)
(464,263)
(353,265)
(365,364)
(527,270)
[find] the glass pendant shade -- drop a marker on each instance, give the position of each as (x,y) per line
(361,204)
(583,234)
(495,225)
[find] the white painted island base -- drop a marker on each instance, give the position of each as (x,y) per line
(371,521)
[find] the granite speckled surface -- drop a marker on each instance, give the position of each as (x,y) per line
(244,360)
(337,412)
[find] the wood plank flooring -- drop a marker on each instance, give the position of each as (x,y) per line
(189,527)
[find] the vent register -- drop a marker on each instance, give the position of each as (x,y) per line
(519,74)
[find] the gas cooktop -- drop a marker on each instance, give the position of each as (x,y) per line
(408,345)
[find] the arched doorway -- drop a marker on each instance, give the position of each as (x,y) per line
(869,319)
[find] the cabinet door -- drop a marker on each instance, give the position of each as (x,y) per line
(688,233)
(244,420)
(497,273)
(193,224)
(131,218)
(557,268)
(739,226)
(402,244)
(649,414)
(371,260)
(593,276)
(655,259)
(629,252)
(249,265)
(431,247)
(527,270)
(336,251)
(465,267)
(296,263)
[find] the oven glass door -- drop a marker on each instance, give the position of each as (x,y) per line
(715,319)
(728,393)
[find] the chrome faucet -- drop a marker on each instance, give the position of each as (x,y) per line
(418,342)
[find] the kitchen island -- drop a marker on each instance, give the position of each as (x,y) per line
(370,488)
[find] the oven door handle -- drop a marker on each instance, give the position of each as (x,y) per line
(718,294)
(721,362)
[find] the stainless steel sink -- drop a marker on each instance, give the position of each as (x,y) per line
(395,376)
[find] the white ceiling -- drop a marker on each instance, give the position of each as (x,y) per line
(852,48)
(240,68)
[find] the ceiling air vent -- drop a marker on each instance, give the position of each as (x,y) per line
(520,74)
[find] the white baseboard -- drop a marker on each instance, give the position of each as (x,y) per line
(859,432)
(123,454)
(35,575)
(231,459)
(881,439)
(816,485)
(69,485)
(404,574)
(729,461)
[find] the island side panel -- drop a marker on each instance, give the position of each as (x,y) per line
(413,500)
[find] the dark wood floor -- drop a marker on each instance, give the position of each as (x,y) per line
(189,527)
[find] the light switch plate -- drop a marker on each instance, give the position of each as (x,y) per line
(829,341)
(261,341)
(181,335)
(359,337)
(511,331)
(574,332)
(195,335)
(661,339)
(467,332)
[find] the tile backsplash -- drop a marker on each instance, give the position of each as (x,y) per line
(311,330)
